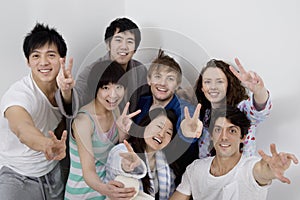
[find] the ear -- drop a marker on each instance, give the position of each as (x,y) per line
(108,46)
(28,65)
(148,80)
(243,139)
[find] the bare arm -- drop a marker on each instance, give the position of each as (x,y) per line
(82,130)
(21,123)
(273,167)
(179,196)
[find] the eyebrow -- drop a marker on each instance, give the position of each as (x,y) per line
(48,51)
(121,37)
(233,126)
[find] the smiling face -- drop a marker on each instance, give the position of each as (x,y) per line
(214,86)
(163,84)
(158,133)
(226,138)
(110,95)
(122,47)
(44,64)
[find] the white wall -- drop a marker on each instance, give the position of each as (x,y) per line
(264,34)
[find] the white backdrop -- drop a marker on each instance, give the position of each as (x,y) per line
(263,34)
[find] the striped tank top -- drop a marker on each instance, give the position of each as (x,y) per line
(76,187)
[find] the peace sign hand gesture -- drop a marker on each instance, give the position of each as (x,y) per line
(250,79)
(278,163)
(55,148)
(130,160)
(65,80)
(192,127)
(124,122)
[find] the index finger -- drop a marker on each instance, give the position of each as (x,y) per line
(52,136)
(197,111)
(273,149)
(128,146)
(134,114)
(186,113)
(125,109)
(238,63)
(64,136)
(235,72)
(70,65)
(62,67)
(264,156)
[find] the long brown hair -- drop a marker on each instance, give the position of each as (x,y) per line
(235,93)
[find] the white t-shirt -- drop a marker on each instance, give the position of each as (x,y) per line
(237,184)
(13,153)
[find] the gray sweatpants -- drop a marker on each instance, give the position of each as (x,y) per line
(14,186)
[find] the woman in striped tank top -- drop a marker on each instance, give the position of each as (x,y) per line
(94,133)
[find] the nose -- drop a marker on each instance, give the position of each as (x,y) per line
(113,92)
(162,133)
(223,134)
(213,85)
(162,81)
(44,60)
(124,44)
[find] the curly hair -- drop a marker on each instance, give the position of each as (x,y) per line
(235,93)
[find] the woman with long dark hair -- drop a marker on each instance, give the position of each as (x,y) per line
(148,162)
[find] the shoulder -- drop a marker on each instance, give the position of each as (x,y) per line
(185,103)
(20,93)
(200,163)
(246,161)
(82,122)
(136,63)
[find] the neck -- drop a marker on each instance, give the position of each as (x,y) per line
(221,166)
(49,90)
(151,160)
(100,109)
(157,102)
(218,104)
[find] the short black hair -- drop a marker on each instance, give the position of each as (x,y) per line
(123,24)
(113,73)
(41,35)
(234,116)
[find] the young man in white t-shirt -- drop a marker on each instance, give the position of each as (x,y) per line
(229,175)
(29,149)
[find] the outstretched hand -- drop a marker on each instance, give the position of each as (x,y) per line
(130,160)
(56,149)
(124,121)
(191,127)
(250,79)
(278,162)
